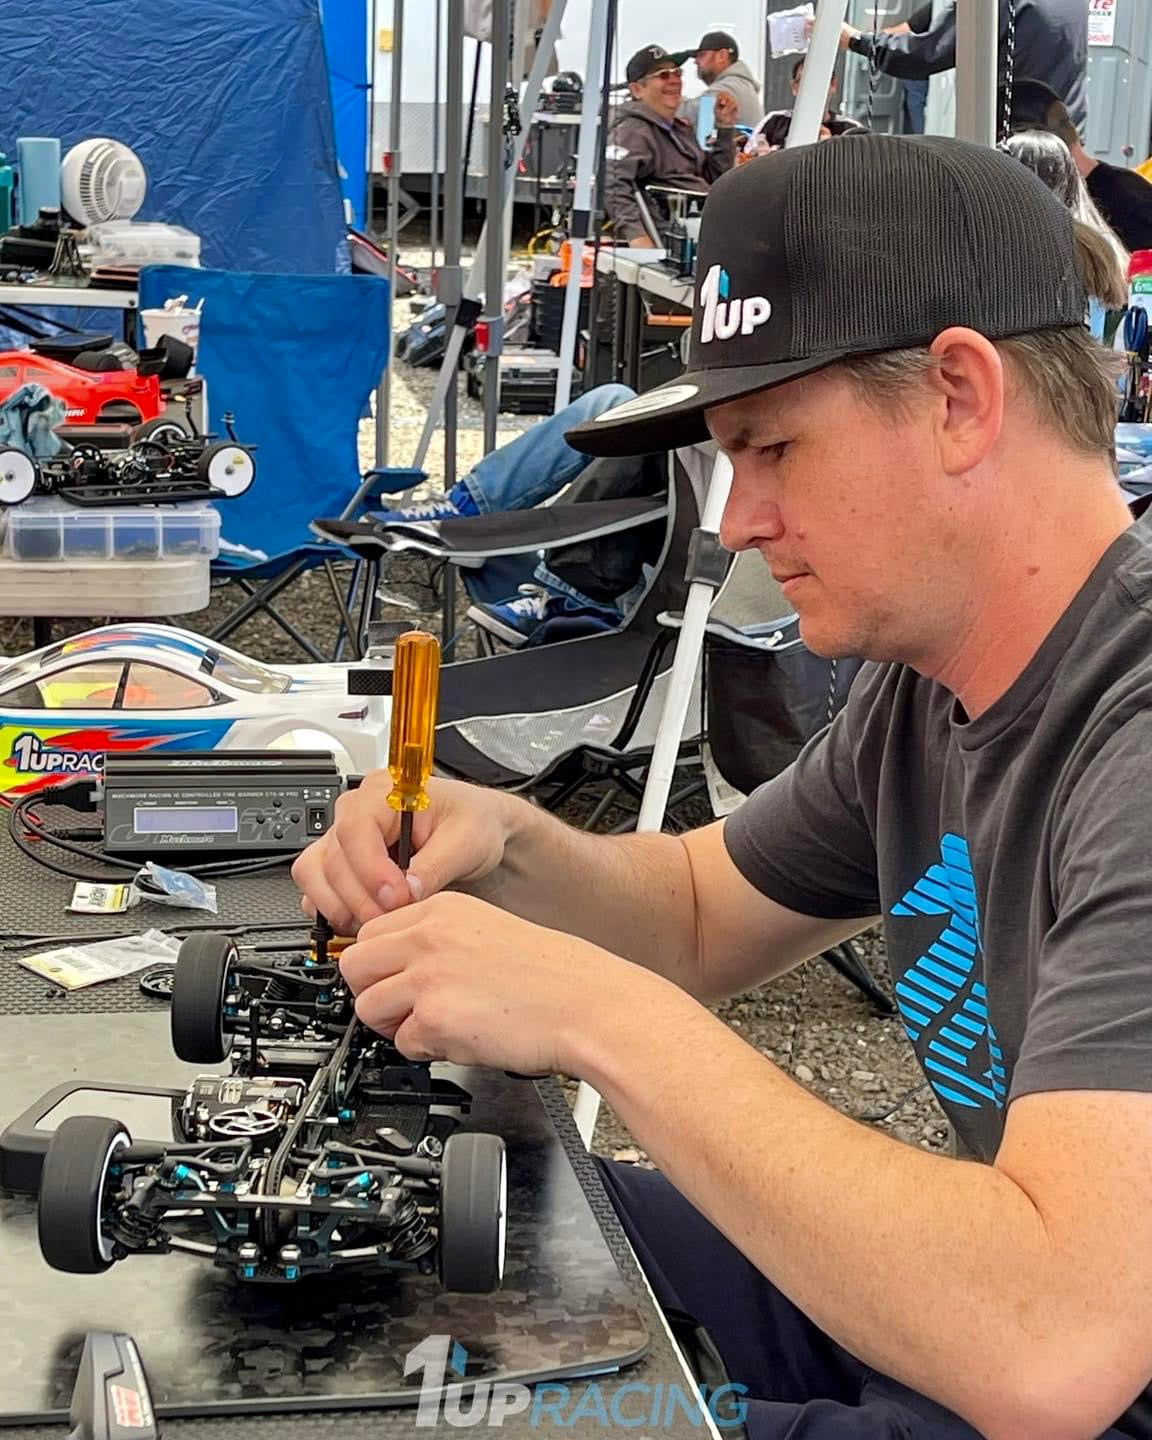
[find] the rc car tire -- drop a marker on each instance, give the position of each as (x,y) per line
(72,1185)
(18,476)
(160,430)
(227,467)
(198,991)
(473,1213)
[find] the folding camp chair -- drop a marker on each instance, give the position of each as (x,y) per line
(765,695)
(552,719)
(294,358)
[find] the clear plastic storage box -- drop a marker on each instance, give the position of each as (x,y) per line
(48,528)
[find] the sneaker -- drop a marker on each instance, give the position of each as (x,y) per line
(455,505)
(515,621)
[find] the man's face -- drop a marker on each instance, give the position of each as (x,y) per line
(852,513)
(662,89)
(710,63)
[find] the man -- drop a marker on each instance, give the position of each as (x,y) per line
(649,144)
(1123,197)
(915,91)
(719,65)
(1051,44)
(772,131)
(889,345)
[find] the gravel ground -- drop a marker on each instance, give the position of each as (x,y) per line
(811,1022)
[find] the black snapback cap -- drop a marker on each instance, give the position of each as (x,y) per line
(853,246)
(718,40)
(653,57)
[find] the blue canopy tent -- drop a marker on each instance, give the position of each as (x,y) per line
(227,104)
(346,39)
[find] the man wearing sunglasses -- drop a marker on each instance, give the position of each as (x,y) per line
(650,145)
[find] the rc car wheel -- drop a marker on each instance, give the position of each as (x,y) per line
(228,468)
(161,431)
(198,991)
(17,476)
(73,1185)
(473,1213)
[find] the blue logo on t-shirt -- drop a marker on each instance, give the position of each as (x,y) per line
(943,1003)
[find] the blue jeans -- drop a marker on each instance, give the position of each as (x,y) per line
(527,471)
(538,464)
(915,105)
(800,1384)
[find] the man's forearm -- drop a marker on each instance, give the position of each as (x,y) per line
(629,894)
(910,57)
(935,1271)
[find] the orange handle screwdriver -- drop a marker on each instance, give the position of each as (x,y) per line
(411,745)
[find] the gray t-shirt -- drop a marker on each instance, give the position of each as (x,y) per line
(1008,855)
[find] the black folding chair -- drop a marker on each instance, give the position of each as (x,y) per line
(552,719)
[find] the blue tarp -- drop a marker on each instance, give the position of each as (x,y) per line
(346,39)
(227,104)
(294,357)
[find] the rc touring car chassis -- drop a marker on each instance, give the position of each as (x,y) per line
(323,1149)
(165,469)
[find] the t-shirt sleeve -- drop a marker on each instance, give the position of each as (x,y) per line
(1089,1026)
(803,838)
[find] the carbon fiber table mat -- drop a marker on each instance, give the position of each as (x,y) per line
(32,902)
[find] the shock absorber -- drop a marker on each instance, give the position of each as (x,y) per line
(413,1235)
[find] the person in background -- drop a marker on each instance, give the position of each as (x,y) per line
(1046,155)
(772,131)
(915,91)
(1051,44)
(1122,197)
(719,65)
(649,144)
(1106,280)
(529,470)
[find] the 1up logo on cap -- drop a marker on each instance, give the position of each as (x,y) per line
(724,317)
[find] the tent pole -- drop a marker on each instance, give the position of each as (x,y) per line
(583,205)
(494,217)
(369,199)
(977,72)
(474,284)
(453,238)
(384,390)
(815,78)
(605,83)
(434,197)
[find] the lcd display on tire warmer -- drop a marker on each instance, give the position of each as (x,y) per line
(200,820)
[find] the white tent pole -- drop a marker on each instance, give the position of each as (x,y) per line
(495,267)
(977,72)
(583,202)
(384,389)
(677,697)
(474,283)
(819,64)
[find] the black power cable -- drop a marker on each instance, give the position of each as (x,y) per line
(30,836)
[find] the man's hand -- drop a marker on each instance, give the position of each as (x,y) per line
(847,33)
(349,875)
(727,112)
(457,979)
(641,242)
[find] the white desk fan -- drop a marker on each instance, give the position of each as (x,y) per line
(102,180)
